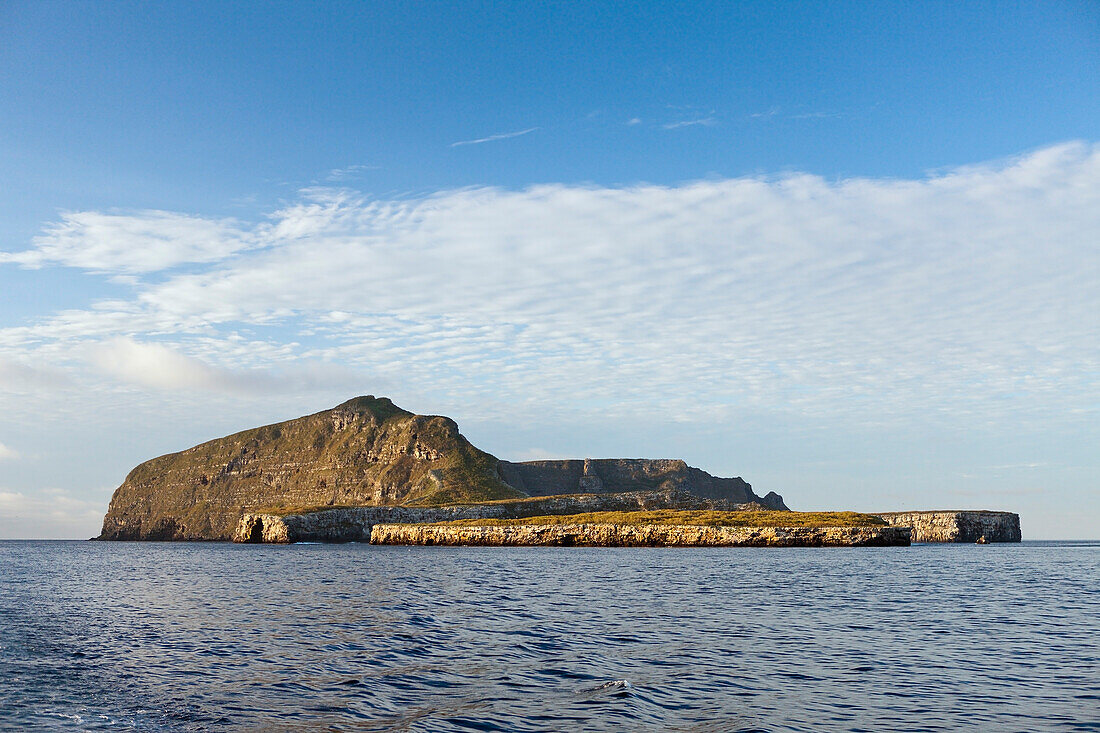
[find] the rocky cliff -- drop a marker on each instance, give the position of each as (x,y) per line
(368,452)
(612,475)
(960,526)
(652,535)
(354,524)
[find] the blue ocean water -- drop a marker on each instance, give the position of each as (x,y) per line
(195,637)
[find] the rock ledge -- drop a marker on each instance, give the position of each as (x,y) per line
(958,526)
(652,535)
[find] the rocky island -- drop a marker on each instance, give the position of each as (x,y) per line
(369,458)
(370,471)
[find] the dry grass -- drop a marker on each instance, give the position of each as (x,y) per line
(703,518)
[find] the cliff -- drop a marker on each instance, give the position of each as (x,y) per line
(626,535)
(368,452)
(545,478)
(958,526)
(354,524)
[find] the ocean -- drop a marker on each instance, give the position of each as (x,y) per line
(198,637)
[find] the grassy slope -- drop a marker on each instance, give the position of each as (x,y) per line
(197,489)
(296,436)
(690,517)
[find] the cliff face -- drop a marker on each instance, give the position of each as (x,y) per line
(652,535)
(962,526)
(354,524)
(613,475)
(366,451)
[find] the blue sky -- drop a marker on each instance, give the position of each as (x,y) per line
(848,251)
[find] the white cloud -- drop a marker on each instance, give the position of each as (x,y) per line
(161,367)
(158,366)
(142,242)
(700,121)
(18,376)
(771,112)
(7,454)
(349,172)
(492,138)
(50,514)
(814,116)
(968,295)
(805,115)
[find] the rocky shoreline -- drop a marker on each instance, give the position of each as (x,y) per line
(651,535)
(958,526)
(354,524)
(421,526)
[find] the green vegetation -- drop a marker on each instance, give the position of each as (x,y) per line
(381,407)
(469,477)
(443,497)
(364,452)
(704,518)
(463,475)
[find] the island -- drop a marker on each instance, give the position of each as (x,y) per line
(370,471)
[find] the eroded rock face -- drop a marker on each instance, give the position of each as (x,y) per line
(262,529)
(655,535)
(366,451)
(959,526)
(354,524)
(614,475)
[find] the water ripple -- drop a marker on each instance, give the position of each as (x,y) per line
(194,637)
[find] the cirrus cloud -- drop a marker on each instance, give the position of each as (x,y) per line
(142,242)
(968,294)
